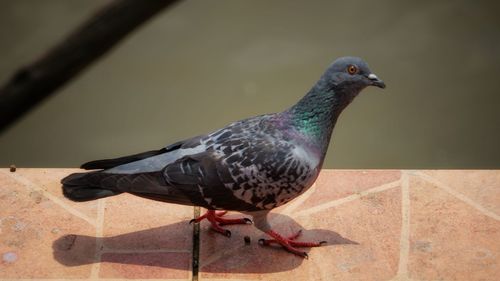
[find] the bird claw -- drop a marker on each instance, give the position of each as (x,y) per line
(321,243)
(221,230)
(216,220)
(289,243)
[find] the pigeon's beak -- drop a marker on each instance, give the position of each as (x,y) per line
(376,81)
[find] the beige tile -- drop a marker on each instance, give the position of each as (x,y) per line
(146,266)
(131,222)
(49,181)
(34,241)
(450,240)
(481,186)
(342,183)
(43,235)
(373,222)
(146,239)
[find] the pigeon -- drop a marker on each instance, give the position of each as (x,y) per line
(251,166)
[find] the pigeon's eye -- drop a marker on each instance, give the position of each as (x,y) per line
(352,69)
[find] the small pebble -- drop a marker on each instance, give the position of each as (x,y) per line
(247,240)
(12,168)
(9,257)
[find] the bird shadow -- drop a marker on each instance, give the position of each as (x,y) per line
(217,253)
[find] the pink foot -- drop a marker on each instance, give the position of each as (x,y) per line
(289,243)
(215,218)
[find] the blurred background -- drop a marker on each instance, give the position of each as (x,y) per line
(200,65)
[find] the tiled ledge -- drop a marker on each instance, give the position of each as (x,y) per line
(380,225)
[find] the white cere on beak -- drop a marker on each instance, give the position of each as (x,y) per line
(372,76)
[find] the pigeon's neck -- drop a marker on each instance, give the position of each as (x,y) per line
(315,115)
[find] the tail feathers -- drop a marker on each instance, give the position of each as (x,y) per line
(78,187)
(97,184)
(86,193)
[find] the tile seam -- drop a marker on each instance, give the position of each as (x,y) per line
(195,266)
(349,198)
(32,186)
(457,195)
(404,243)
(96,267)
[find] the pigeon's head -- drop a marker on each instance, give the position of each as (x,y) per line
(350,75)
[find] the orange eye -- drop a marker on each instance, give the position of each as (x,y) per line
(352,69)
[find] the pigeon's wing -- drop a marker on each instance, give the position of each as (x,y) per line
(150,161)
(248,167)
(205,179)
(110,163)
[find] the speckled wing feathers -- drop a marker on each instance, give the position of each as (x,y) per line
(247,166)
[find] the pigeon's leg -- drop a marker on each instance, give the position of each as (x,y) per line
(288,243)
(216,220)
(204,216)
(290,240)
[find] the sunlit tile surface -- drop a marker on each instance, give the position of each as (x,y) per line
(379,224)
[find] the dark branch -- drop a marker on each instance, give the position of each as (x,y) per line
(32,83)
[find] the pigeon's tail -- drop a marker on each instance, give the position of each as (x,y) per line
(80,187)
